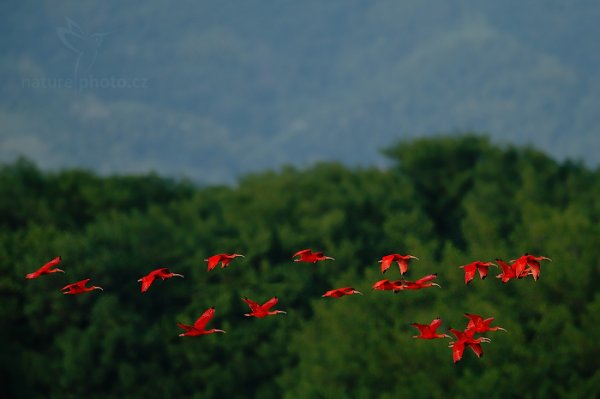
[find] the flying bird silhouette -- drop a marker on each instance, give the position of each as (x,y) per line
(46,269)
(531,261)
(401,260)
(79,288)
(340,292)
(225,259)
(477,266)
(428,331)
(307,255)
(199,327)
(464,340)
(479,325)
(260,311)
(162,273)
(423,282)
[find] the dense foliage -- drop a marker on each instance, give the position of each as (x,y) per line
(447,200)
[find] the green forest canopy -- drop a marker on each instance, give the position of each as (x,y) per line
(448,200)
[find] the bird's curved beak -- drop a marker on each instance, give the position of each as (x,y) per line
(182,335)
(414,257)
(99,288)
(177,275)
(502,329)
(436,284)
(358,292)
(544,258)
(60,270)
(379,261)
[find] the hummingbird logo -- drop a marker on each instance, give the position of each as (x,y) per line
(85,46)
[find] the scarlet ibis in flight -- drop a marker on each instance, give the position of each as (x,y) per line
(529,260)
(214,260)
(260,311)
(463,340)
(162,273)
(46,269)
(509,272)
(339,292)
(428,331)
(387,285)
(307,255)
(479,325)
(477,266)
(402,261)
(199,325)
(79,288)
(423,282)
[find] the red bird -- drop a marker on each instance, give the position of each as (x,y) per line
(339,292)
(162,273)
(529,260)
(477,266)
(423,282)
(479,325)
(199,326)
(263,310)
(307,255)
(214,260)
(402,261)
(427,331)
(46,269)
(463,340)
(509,272)
(79,288)
(387,285)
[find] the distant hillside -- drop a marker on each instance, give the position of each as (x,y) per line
(212,90)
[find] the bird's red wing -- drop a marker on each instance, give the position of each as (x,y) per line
(474,318)
(160,272)
(318,254)
(483,271)
(435,323)
(506,268)
(458,348)
(469,272)
(386,262)
(300,253)
(520,265)
(184,327)
(330,293)
(427,278)
(534,266)
(147,281)
(50,264)
(457,333)
(423,328)
(254,306)
(477,349)
(204,319)
(270,303)
(213,261)
(403,265)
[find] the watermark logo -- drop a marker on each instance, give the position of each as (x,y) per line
(86,48)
